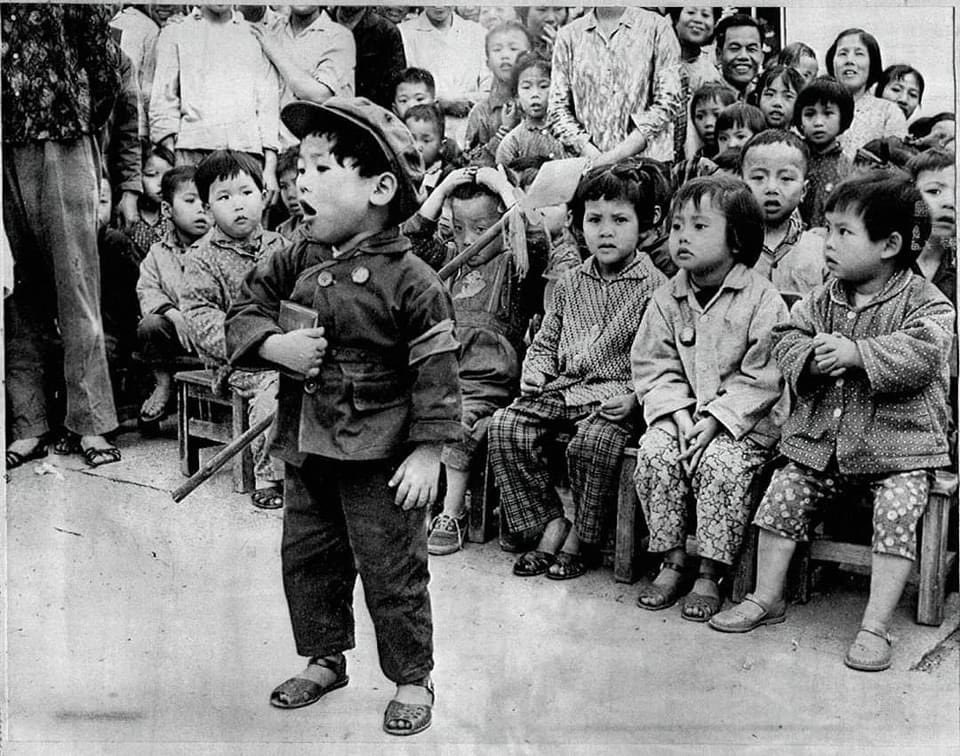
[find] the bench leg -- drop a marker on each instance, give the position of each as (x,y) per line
(481,524)
(243,477)
(624,559)
(189,452)
(933,561)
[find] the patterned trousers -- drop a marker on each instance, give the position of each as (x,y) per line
(720,486)
(261,387)
(517,437)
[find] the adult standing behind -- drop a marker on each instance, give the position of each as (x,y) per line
(854,60)
(60,74)
(739,52)
(452,49)
(543,22)
(314,56)
(380,56)
(628,51)
(138,40)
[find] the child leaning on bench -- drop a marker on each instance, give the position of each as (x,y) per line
(866,357)
(361,436)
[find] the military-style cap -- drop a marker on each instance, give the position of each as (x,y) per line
(389,132)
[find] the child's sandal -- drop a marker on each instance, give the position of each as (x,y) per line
(409,719)
(699,607)
(667,596)
(872,657)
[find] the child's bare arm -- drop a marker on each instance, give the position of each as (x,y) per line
(416,477)
(433,205)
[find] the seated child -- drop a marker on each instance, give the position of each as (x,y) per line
(493,300)
(362,451)
(426,123)
(777,91)
(802,58)
(934,174)
(706,104)
(867,360)
(824,110)
(737,123)
(149,228)
(532,137)
(711,393)
(576,377)
(163,331)
(230,185)
(289,196)
(774,165)
(491,119)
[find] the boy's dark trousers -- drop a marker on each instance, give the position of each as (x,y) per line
(340,519)
(159,343)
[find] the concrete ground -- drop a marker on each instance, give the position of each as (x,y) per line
(138,625)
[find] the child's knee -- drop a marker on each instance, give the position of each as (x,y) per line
(898,507)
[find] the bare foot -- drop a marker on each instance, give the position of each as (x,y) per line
(154,404)
(414,694)
(23,446)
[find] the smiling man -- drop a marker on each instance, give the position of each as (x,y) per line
(739,51)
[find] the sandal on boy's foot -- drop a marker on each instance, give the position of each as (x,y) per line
(737,620)
(667,596)
(567,566)
(533,563)
(67,442)
(446,534)
(872,656)
(15,459)
(96,457)
(700,607)
(409,719)
(302,691)
(270,497)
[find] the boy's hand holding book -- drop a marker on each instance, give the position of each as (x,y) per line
(300,351)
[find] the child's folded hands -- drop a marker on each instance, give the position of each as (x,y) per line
(696,440)
(834,354)
(301,351)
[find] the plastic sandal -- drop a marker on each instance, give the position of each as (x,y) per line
(415,717)
(16,459)
(866,659)
(302,691)
(650,590)
(96,457)
(533,563)
(567,566)
(268,498)
(733,620)
(708,605)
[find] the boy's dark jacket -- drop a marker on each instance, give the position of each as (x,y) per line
(389,377)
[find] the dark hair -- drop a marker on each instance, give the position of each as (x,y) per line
(887,202)
(523,12)
(288,160)
(674,13)
(775,136)
(640,182)
(413,75)
(733,198)
(472,190)
(221,165)
(884,153)
(873,50)
(933,159)
(778,71)
(712,90)
(175,178)
(825,90)
(528,60)
(896,73)
(158,150)
(792,53)
(728,160)
(524,170)
(428,112)
(923,126)
(505,28)
(741,114)
(733,22)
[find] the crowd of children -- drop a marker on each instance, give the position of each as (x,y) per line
(776,286)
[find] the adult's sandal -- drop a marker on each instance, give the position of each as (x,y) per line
(302,691)
(15,459)
(96,457)
(409,719)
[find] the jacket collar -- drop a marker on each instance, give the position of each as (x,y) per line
(833,149)
(897,283)
(738,278)
(794,231)
(637,270)
(389,241)
(250,246)
(626,20)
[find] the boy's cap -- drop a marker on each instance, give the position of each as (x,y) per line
(387,129)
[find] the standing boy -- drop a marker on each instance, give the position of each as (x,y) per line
(231,187)
(774,165)
(362,435)
(823,111)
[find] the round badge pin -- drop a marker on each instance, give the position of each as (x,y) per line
(325,278)
(360,275)
(687,336)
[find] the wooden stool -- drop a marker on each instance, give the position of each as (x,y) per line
(934,560)
(484,522)
(203,420)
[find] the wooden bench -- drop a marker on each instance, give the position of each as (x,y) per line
(205,418)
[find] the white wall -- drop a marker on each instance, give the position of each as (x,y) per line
(921,37)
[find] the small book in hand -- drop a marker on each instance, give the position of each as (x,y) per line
(293,317)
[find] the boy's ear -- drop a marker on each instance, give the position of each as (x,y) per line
(806,188)
(166,209)
(385,188)
(891,246)
(569,221)
(657,215)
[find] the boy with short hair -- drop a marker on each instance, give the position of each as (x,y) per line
(426,124)
(774,165)
(362,444)
(162,330)
(934,174)
(823,111)
(706,104)
(415,86)
(492,118)
(232,189)
(289,196)
(737,123)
